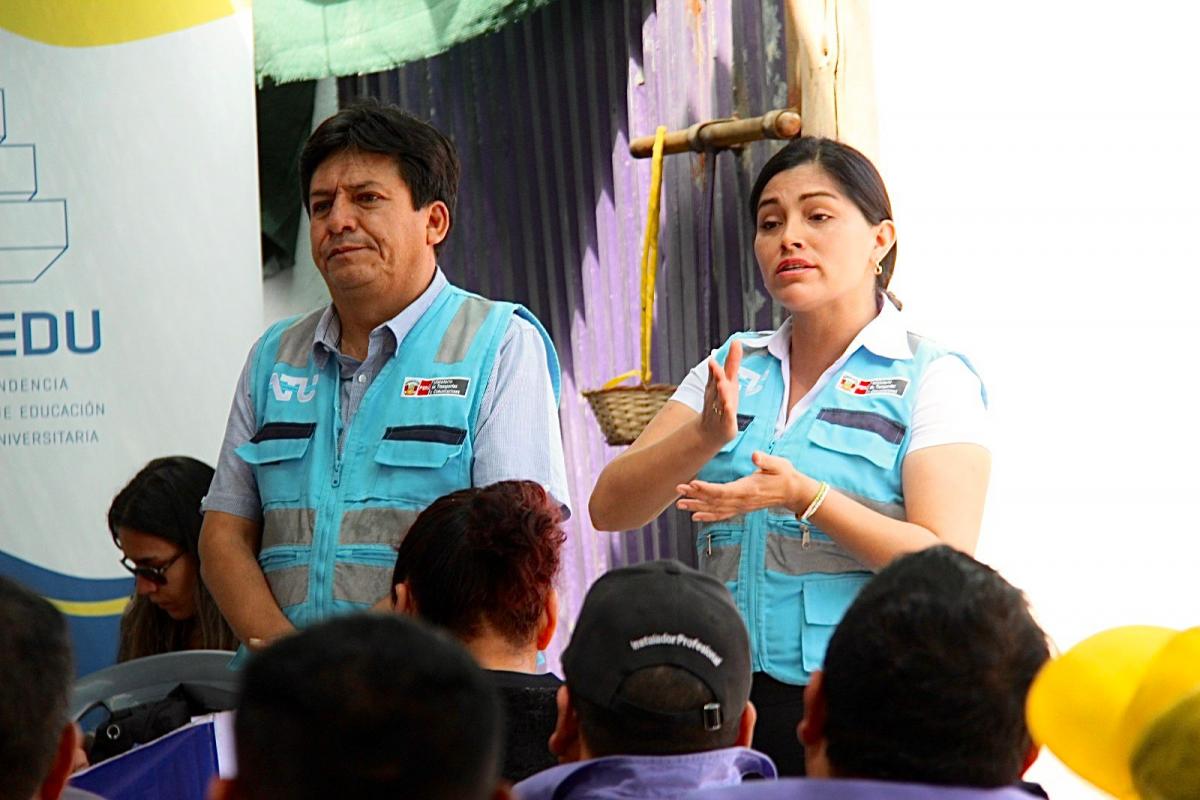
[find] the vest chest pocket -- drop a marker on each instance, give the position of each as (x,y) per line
(865,434)
(729,464)
(419,462)
(276,453)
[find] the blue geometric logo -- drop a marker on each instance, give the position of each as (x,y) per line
(33,232)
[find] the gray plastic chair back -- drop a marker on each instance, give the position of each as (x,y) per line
(144,680)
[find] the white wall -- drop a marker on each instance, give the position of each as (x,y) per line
(301,288)
(1044,162)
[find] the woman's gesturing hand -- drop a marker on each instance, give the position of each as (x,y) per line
(718,418)
(775,483)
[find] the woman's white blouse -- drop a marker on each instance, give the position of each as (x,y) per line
(949,408)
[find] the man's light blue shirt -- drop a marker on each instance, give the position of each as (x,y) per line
(620,777)
(846,789)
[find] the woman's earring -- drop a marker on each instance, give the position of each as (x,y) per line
(879,268)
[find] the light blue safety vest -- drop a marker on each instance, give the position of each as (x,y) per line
(332,523)
(792,583)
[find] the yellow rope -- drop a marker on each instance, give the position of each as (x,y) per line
(649,262)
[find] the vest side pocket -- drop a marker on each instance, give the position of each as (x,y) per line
(719,554)
(866,435)
(825,601)
(286,571)
(278,465)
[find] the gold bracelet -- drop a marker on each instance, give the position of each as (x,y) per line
(818,499)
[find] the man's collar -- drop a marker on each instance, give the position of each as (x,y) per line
(328,334)
(885,336)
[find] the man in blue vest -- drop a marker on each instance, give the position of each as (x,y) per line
(351,419)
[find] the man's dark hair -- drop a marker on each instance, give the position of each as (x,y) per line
(925,678)
(663,689)
(36,673)
(426,159)
(484,555)
(369,705)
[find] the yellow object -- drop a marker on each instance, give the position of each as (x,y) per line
(1093,705)
(818,498)
(650,249)
(90,608)
(1166,763)
(649,262)
(90,23)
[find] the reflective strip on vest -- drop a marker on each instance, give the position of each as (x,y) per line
(376,525)
(289,585)
(296,343)
(460,334)
(792,556)
(360,583)
(288,526)
(892,510)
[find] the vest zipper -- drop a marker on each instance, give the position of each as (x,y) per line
(329,521)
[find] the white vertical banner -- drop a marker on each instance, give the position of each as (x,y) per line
(130,283)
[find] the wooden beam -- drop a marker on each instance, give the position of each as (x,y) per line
(831,78)
(782,123)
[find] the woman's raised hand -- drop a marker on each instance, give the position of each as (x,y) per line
(774,483)
(718,418)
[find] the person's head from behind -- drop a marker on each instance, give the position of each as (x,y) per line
(823,225)
(658,664)
(481,563)
(380,188)
(370,705)
(926,677)
(38,741)
(155,521)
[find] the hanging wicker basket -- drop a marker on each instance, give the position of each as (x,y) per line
(623,411)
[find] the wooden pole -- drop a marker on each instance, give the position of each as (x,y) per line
(831,78)
(717,134)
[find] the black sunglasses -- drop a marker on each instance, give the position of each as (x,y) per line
(156,575)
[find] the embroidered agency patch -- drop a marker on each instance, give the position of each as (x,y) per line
(436,387)
(892,386)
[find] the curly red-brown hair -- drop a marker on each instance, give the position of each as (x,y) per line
(485,554)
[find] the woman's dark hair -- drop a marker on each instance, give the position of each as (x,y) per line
(851,171)
(163,500)
(485,554)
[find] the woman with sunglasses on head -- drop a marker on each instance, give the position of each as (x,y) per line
(155,520)
(814,454)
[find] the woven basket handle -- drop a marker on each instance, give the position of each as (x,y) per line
(649,263)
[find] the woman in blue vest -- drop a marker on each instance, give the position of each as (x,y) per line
(813,454)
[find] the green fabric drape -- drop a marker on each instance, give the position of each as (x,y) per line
(305,39)
(284,120)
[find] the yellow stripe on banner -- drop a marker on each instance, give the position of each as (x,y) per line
(90,23)
(91,608)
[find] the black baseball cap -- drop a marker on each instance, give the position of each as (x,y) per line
(660,613)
